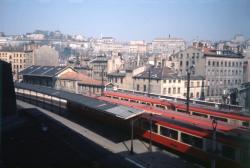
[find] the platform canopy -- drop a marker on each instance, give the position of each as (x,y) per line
(119,111)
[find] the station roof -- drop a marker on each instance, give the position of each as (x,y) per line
(48,71)
(119,111)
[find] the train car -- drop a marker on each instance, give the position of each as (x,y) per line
(194,120)
(232,118)
(195,141)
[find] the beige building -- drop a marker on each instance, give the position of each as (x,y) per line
(98,67)
(19,60)
(137,47)
(161,81)
(115,63)
(224,71)
(184,59)
(46,56)
(80,83)
(168,46)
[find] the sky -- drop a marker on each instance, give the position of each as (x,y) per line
(129,19)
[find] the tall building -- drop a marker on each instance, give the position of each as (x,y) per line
(224,71)
(168,46)
(184,59)
(18,58)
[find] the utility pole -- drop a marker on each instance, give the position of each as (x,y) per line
(188,90)
(214,125)
(132,137)
(102,82)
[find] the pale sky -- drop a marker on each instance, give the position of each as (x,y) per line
(129,19)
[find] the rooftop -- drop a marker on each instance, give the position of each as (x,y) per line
(158,73)
(47,71)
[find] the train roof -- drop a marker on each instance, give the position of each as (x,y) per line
(231,139)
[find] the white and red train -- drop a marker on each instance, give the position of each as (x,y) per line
(227,117)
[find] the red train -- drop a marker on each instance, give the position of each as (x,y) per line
(232,150)
(191,135)
(231,118)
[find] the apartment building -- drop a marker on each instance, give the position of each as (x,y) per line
(168,46)
(164,81)
(18,58)
(224,71)
(184,59)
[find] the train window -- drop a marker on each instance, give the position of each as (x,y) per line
(182,111)
(160,106)
(219,118)
(115,97)
(245,124)
(146,126)
(200,115)
(191,140)
(228,152)
(133,101)
(169,133)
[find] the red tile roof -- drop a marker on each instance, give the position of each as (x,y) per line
(82,78)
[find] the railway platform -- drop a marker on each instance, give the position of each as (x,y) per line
(142,157)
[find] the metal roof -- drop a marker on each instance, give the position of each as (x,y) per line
(48,71)
(119,111)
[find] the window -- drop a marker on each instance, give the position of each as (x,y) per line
(164,81)
(200,115)
(213,63)
(169,90)
(191,95)
(179,81)
(191,140)
(192,84)
(219,118)
(217,63)
(185,84)
(138,87)
(209,63)
(174,90)
(179,90)
(170,81)
(169,133)
(225,63)
(198,84)
(180,63)
(144,88)
(197,94)
(187,63)
(121,80)
(164,90)
(146,125)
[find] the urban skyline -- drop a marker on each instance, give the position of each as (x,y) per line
(127,20)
